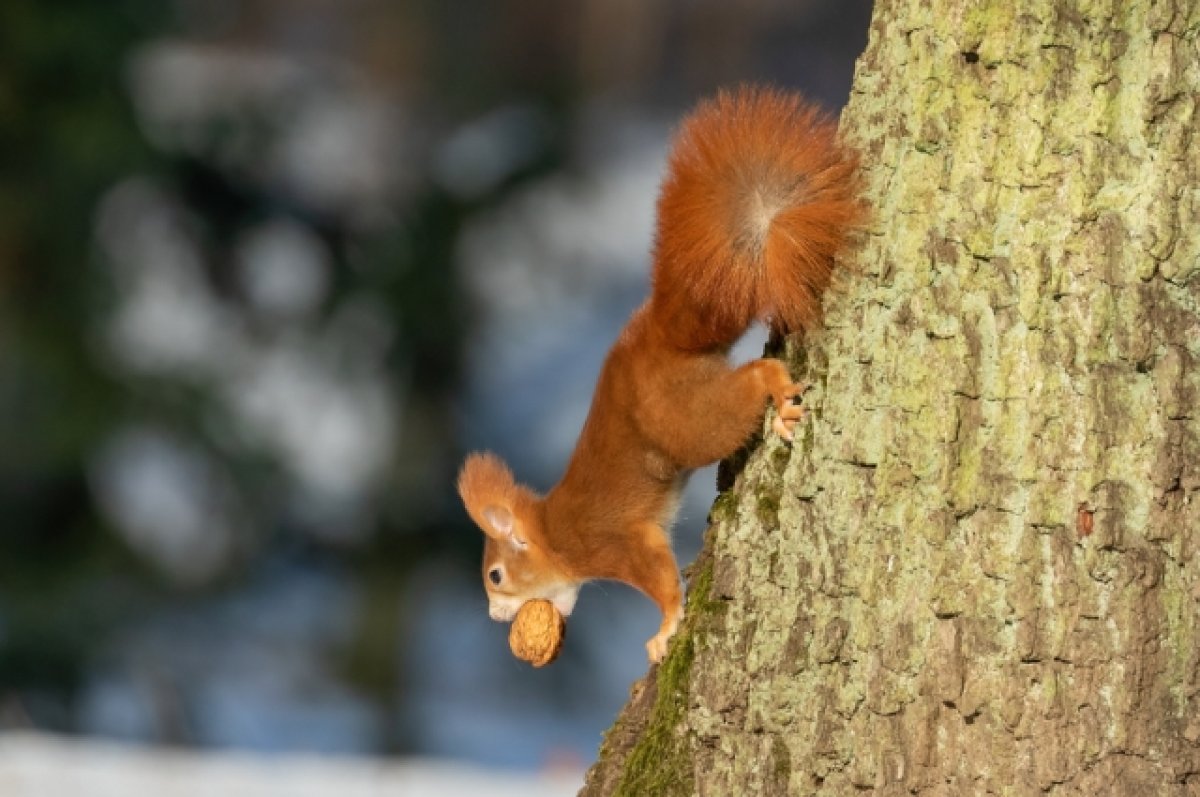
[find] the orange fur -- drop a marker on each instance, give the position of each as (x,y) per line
(758,199)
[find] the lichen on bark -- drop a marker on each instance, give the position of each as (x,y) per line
(975,571)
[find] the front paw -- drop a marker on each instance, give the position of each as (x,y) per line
(788,409)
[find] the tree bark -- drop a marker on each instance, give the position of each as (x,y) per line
(974,571)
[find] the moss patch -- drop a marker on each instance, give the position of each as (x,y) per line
(660,761)
(766,503)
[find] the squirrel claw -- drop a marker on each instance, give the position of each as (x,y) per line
(783,428)
(788,410)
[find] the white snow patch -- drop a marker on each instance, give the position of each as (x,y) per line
(33,765)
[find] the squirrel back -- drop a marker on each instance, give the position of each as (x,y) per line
(758,198)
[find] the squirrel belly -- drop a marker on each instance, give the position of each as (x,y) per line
(758,199)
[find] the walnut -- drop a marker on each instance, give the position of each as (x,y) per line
(537,632)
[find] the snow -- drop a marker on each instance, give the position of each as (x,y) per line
(35,765)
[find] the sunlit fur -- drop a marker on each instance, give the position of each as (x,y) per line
(525,557)
(757,200)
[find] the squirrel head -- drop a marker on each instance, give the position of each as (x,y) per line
(517,564)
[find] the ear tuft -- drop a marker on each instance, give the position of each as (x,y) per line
(489,493)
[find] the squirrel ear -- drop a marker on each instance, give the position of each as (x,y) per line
(501,521)
(491,496)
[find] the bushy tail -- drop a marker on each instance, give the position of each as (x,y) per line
(758,198)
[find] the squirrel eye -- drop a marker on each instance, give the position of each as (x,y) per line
(495,576)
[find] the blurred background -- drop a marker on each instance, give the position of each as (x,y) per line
(268,270)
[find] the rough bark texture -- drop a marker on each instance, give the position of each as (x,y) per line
(975,571)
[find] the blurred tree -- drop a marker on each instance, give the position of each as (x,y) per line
(79,116)
(146,151)
(66,134)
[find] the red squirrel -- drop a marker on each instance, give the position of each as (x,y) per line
(758,198)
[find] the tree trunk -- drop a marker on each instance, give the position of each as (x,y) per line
(974,571)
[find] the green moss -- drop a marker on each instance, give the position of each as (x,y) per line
(779,459)
(724,508)
(700,602)
(767,505)
(659,762)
